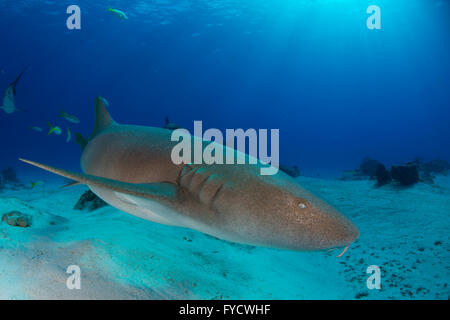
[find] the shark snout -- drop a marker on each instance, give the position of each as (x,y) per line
(341,232)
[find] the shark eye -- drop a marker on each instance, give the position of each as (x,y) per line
(302,205)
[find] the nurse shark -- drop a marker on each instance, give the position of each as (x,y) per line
(130,167)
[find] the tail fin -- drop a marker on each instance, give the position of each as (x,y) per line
(50,128)
(102,118)
(14,83)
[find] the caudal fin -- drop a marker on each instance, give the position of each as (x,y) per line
(50,128)
(14,83)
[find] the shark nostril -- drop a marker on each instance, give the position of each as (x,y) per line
(350,234)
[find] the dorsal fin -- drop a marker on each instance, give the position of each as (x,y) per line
(102,118)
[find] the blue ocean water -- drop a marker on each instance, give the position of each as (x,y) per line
(337,90)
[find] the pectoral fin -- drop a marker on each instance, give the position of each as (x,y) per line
(163,192)
(150,209)
(72,184)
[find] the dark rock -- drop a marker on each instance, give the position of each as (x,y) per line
(419,161)
(17,219)
(405,174)
(89,201)
(436,166)
(368,167)
(292,171)
(383,176)
(9,175)
(361,295)
(426,177)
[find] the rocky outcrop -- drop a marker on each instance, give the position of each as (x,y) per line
(9,175)
(426,177)
(405,174)
(436,166)
(383,176)
(89,201)
(368,167)
(17,219)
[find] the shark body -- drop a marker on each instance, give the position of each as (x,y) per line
(130,168)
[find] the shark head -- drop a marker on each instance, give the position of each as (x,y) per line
(277,212)
(320,226)
(316,224)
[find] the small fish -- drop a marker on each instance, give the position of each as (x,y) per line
(118,13)
(36,183)
(69,135)
(53,129)
(69,117)
(34,128)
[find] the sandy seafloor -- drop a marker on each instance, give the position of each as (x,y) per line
(405,231)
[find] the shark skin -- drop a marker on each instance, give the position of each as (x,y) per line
(130,168)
